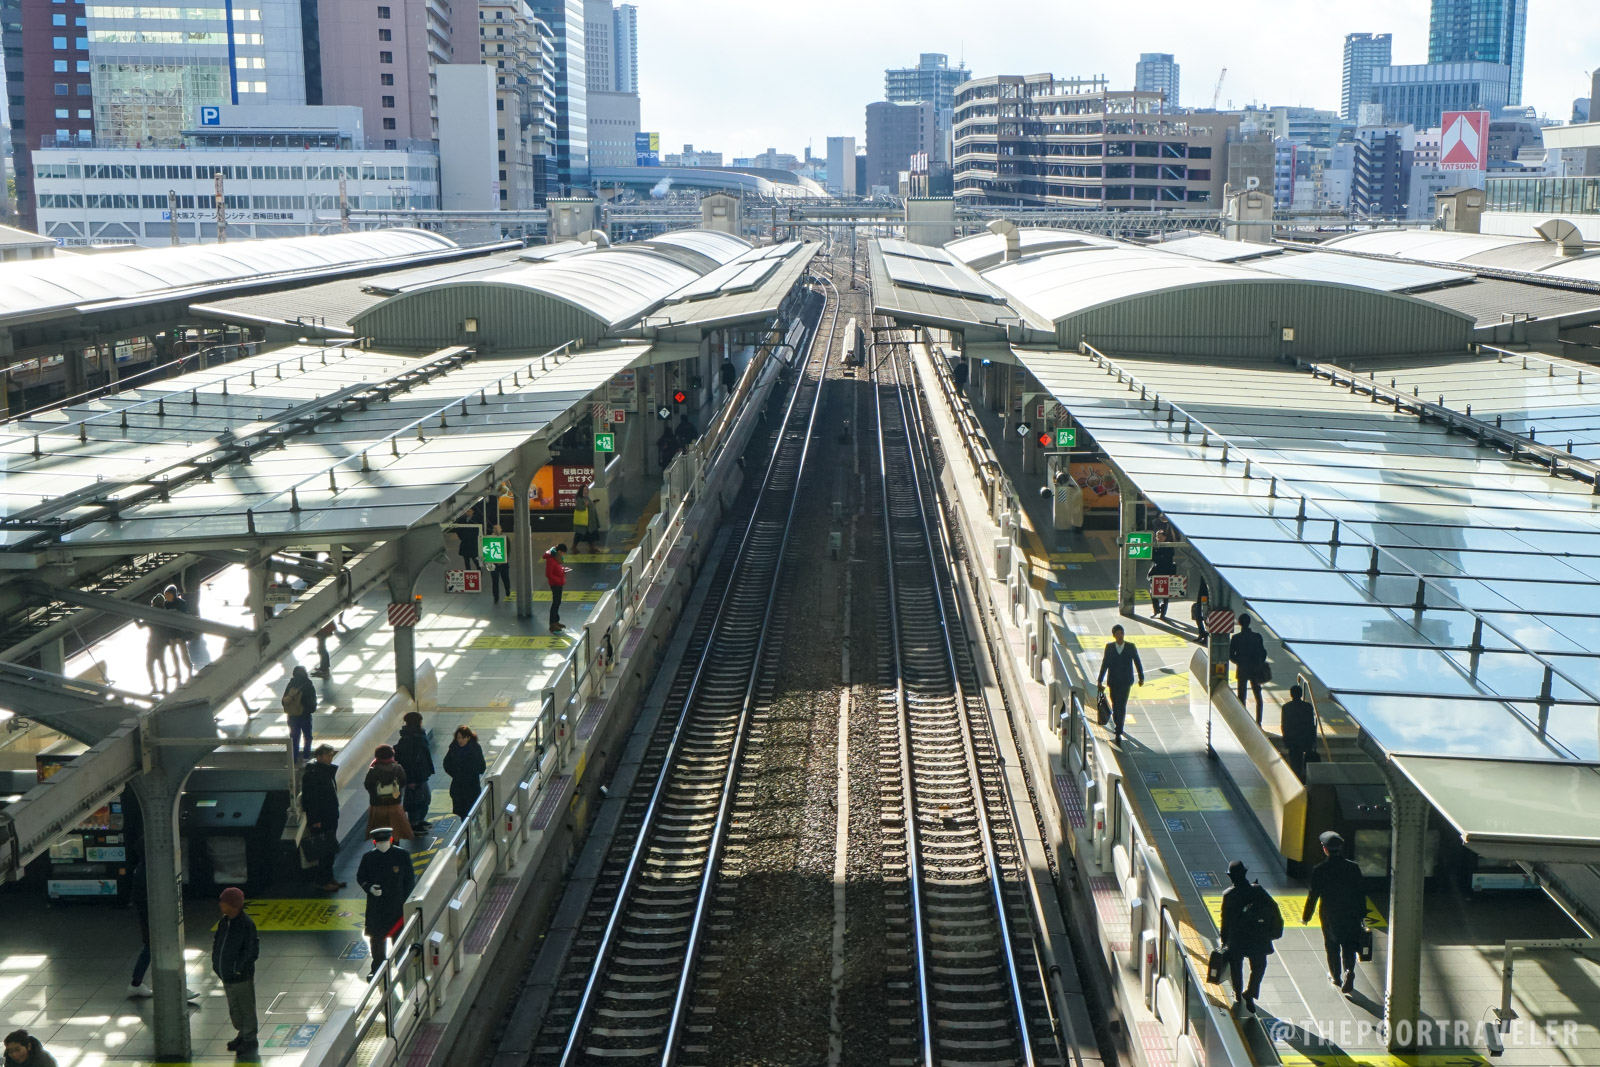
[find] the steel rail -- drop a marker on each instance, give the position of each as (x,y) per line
(607,944)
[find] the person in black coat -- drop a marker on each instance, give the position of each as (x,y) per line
(463,762)
(1299,730)
(416,759)
(319,802)
(1116,671)
(24,1050)
(386,877)
(1240,941)
(1163,560)
(1249,655)
(1338,884)
(234,949)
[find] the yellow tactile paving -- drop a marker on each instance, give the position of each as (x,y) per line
(1203,799)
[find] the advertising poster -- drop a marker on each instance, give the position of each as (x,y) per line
(555,486)
(1098,483)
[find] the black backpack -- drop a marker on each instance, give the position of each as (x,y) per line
(1260,918)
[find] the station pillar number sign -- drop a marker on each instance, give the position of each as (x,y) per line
(493,549)
(1066,437)
(1140,545)
(605,442)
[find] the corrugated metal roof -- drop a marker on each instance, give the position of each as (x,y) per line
(1493,300)
(938,309)
(713,244)
(35,286)
(615,287)
(742,305)
(1063,284)
(1387,276)
(983,250)
(1216,249)
(1585,269)
(1435,246)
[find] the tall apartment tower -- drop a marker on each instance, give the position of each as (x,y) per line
(598,24)
(1481,31)
(384,59)
(1157,72)
(933,80)
(842,166)
(566,20)
(1362,52)
(625,48)
(522,51)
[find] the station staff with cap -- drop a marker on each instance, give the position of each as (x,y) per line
(1337,883)
(386,877)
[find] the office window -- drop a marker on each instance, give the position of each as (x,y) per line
(502,134)
(502,155)
(385,57)
(85,113)
(499,105)
(58,42)
(85,89)
(383,12)
(386,79)
(62,113)
(60,66)
(388,123)
(58,20)
(83,66)
(391,144)
(388,101)
(81,43)
(385,35)
(61,89)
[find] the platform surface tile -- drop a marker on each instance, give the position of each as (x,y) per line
(64,968)
(1200,825)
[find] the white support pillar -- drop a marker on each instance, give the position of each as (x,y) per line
(1402,1006)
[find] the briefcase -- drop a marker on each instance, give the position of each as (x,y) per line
(319,846)
(1217,966)
(1102,708)
(1364,944)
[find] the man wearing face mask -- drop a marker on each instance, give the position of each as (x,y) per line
(385,875)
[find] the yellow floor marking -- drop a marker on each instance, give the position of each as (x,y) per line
(1080,596)
(307,916)
(1072,557)
(1204,798)
(1141,640)
(581,596)
(1383,1059)
(1163,687)
(515,641)
(1292,903)
(595,557)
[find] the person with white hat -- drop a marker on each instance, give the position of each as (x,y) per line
(386,877)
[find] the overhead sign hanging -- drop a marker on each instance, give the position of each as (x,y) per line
(1466,140)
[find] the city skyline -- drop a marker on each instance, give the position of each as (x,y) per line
(1295,60)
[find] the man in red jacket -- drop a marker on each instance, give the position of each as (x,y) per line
(556,574)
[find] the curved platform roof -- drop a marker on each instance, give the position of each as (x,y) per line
(32,287)
(722,247)
(984,250)
(1528,254)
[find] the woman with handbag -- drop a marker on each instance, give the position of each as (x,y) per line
(386,785)
(319,803)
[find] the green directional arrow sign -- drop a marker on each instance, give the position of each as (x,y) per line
(494,549)
(1066,437)
(1139,545)
(605,442)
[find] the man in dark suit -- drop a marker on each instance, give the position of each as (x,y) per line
(1242,936)
(1337,883)
(1249,655)
(1299,730)
(1117,671)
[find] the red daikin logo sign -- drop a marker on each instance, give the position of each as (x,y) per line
(1466,141)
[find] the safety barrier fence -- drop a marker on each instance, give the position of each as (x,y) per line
(516,803)
(1159,944)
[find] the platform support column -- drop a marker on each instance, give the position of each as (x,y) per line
(1403,999)
(1127,569)
(158,790)
(405,641)
(75,365)
(418,548)
(522,558)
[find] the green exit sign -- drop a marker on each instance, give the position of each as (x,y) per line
(1066,437)
(605,442)
(494,549)
(1139,545)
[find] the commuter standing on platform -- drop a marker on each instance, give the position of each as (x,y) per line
(415,758)
(1249,655)
(467,532)
(499,574)
(319,803)
(299,704)
(582,518)
(730,375)
(686,433)
(1250,923)
(555,572)
(386,785)
(666,446)
(464,763)
(1163,561)
(1197,611)
(385,875)
(234,949)
(1117,668)
(1337,883)
(1299,730)
(24,1050)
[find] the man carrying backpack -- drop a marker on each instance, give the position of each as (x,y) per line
(1251,922)
(299,703)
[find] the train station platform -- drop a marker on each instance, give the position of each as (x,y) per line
(1190,817)
(65,966)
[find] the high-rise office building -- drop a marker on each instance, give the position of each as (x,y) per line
(1481,31)
(522,50)
(383,58)
(1418,94)
(625,48)
(1362,53)
(841,166)
(1157,72)
(895,133)
(567,23)
(598,23)
(933,80)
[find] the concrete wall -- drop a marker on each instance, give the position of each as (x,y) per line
(468,167)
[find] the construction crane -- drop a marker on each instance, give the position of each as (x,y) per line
(1217,94)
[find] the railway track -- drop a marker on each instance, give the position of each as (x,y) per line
(970,987)
(625,990)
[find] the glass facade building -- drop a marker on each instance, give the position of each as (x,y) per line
(1418,94)
(1481,31)
(565,18)
(1555,196)
(1362,53)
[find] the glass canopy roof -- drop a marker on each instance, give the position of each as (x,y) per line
(1466,543)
